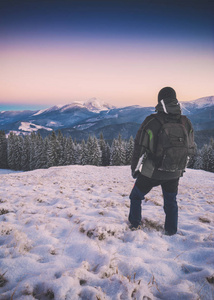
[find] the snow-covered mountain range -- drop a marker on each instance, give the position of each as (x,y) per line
(78,119)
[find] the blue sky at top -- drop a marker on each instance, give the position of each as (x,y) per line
(121,51)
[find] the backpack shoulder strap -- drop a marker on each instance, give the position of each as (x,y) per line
(183,120)
(187,125)
(160,118)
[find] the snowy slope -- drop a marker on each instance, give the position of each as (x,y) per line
(30,127)
(199,103)
(64,235)
(48,110)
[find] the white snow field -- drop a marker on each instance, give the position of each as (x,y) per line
(64,234)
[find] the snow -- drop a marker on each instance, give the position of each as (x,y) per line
(72,105)
(30,127)
(47,110)
(198,103)
(65,235)
(54,124)
(93,104)
(97,105)
(84,126)
(8,171)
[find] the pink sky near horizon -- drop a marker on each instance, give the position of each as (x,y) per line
(120,73)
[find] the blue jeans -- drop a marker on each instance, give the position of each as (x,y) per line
(169,189)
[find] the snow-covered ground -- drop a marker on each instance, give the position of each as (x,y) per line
(7,171)
(64,235)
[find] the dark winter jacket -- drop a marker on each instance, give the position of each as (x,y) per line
(146,141)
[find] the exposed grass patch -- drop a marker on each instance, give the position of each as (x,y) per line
(39,293)
(146,223)
(210,279)
(155,202)
(204,220)
(83,282)
(4,211)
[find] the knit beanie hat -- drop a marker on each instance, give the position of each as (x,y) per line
(167,93)
(167,102)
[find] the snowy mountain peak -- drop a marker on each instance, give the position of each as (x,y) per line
(93,104)
(96,105)
(71,105)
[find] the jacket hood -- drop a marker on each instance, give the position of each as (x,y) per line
(169,106)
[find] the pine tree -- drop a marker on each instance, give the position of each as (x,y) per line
(122,150)
(208,156)
(44,158)
(3,150)
(115,159)
(69,152)
(94,154)
(62,159)
(90,150)
(32,151)
(60,149)
(205,157)
(211,145)
(84,153)
(129,150)
(118,153)
(97,153)
(17,152)
(25,159)
(198,161)
(11,150)
(104,151)
(78,154)
(52,153)
(38,151)
(108,153)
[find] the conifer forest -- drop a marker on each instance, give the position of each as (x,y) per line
(32,152)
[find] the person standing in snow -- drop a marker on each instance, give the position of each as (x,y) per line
(145,166)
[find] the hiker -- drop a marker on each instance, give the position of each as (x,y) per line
(162,146)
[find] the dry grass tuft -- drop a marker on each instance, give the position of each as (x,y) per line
(204,220)
(4,211)
(210,279)
(146,223)
(3,280)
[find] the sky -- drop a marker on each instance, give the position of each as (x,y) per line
(122,52)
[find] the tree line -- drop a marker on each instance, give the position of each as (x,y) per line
(34,152)
(203,158)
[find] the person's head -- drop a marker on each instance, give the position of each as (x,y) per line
(167,93)
(167,101)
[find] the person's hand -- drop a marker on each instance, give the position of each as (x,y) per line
(135,174)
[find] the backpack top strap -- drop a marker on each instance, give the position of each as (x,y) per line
(166,119)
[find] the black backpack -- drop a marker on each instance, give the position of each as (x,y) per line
(172,145)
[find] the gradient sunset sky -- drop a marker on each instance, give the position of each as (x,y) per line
(122,52)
